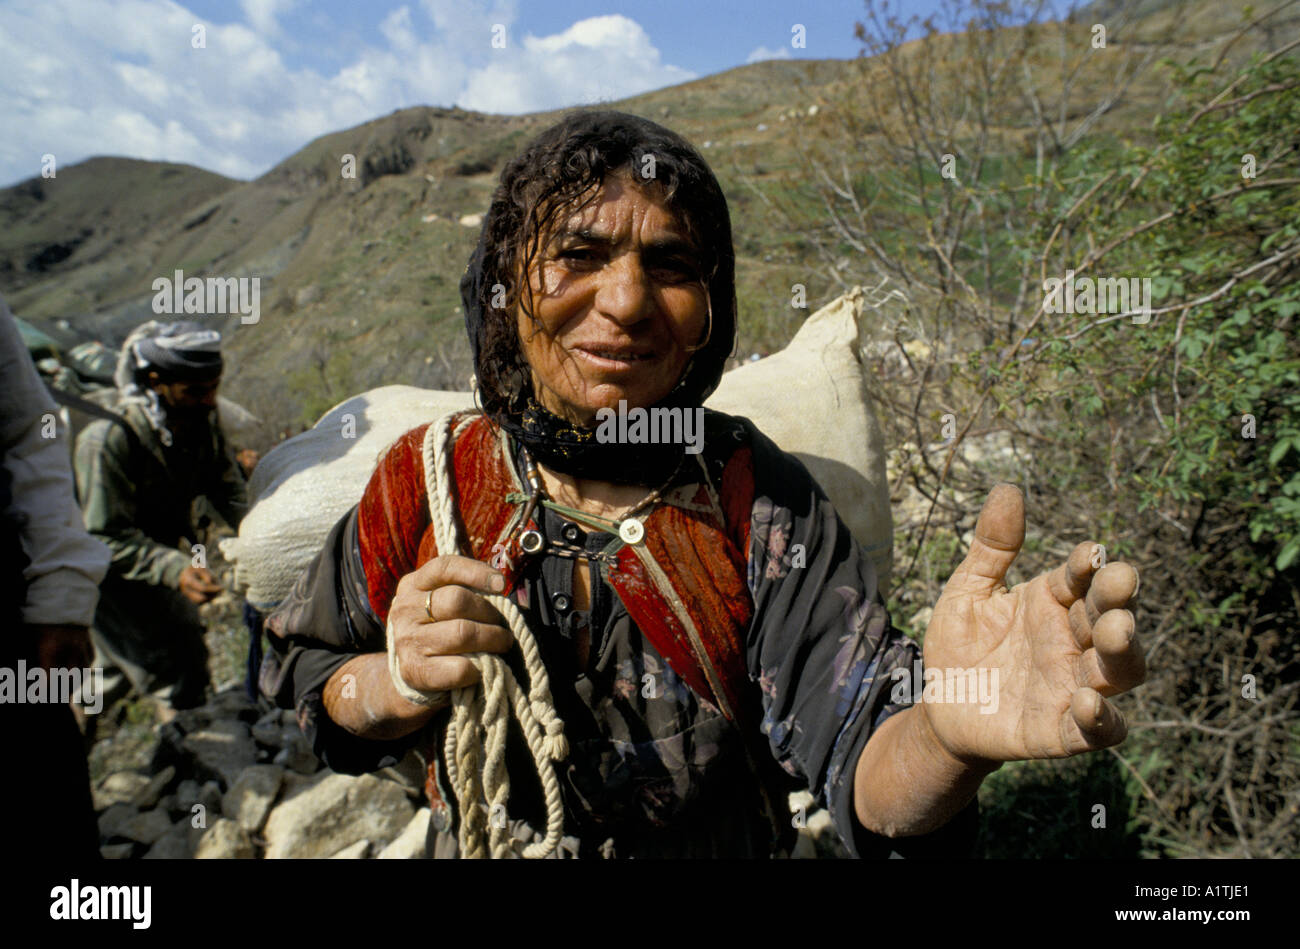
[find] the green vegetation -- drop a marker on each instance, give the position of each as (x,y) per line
(1194,429)
(1173,439)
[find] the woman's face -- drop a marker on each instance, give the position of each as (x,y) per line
(619,306)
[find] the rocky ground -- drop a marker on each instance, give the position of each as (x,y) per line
(229,781)
(235,779)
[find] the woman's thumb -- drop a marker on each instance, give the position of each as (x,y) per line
(999,532)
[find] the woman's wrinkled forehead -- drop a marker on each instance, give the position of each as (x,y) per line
(603,208)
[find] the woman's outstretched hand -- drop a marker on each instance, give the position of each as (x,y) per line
(1045,653)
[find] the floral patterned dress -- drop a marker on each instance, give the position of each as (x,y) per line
(655,770)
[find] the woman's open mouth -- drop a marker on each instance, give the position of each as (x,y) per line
(614,358)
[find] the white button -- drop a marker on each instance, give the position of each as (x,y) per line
(631,531)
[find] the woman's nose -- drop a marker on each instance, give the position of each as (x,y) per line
(625,294)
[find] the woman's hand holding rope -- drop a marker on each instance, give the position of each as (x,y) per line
(439,616)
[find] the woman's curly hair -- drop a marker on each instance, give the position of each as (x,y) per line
(560,172)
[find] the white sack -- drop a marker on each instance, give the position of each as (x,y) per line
(301,488)
(811,399)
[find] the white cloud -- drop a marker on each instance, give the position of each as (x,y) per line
(604,57)
(469,23)
(147,83)
(762,53)
(120,77)
(263,15)
(398,29)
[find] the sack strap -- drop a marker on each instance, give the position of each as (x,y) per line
(67,399)
(91,408)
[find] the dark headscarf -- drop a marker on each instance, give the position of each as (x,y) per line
(568,161)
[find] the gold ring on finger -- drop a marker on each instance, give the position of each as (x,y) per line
(428,605)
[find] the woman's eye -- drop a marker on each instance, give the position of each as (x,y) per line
(676,270)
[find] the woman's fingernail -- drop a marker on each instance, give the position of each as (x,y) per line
(498,582)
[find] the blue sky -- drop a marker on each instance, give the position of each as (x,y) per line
(125,77)
(700,36)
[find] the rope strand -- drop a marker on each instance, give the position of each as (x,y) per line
(475,743)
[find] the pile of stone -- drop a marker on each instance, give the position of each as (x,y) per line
(227,781)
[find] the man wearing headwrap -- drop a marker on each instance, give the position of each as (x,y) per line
(138,481)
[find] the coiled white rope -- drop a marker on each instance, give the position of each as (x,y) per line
(476,736)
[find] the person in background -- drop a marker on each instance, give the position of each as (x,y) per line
(45,802)
(138,480)
(248,459)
